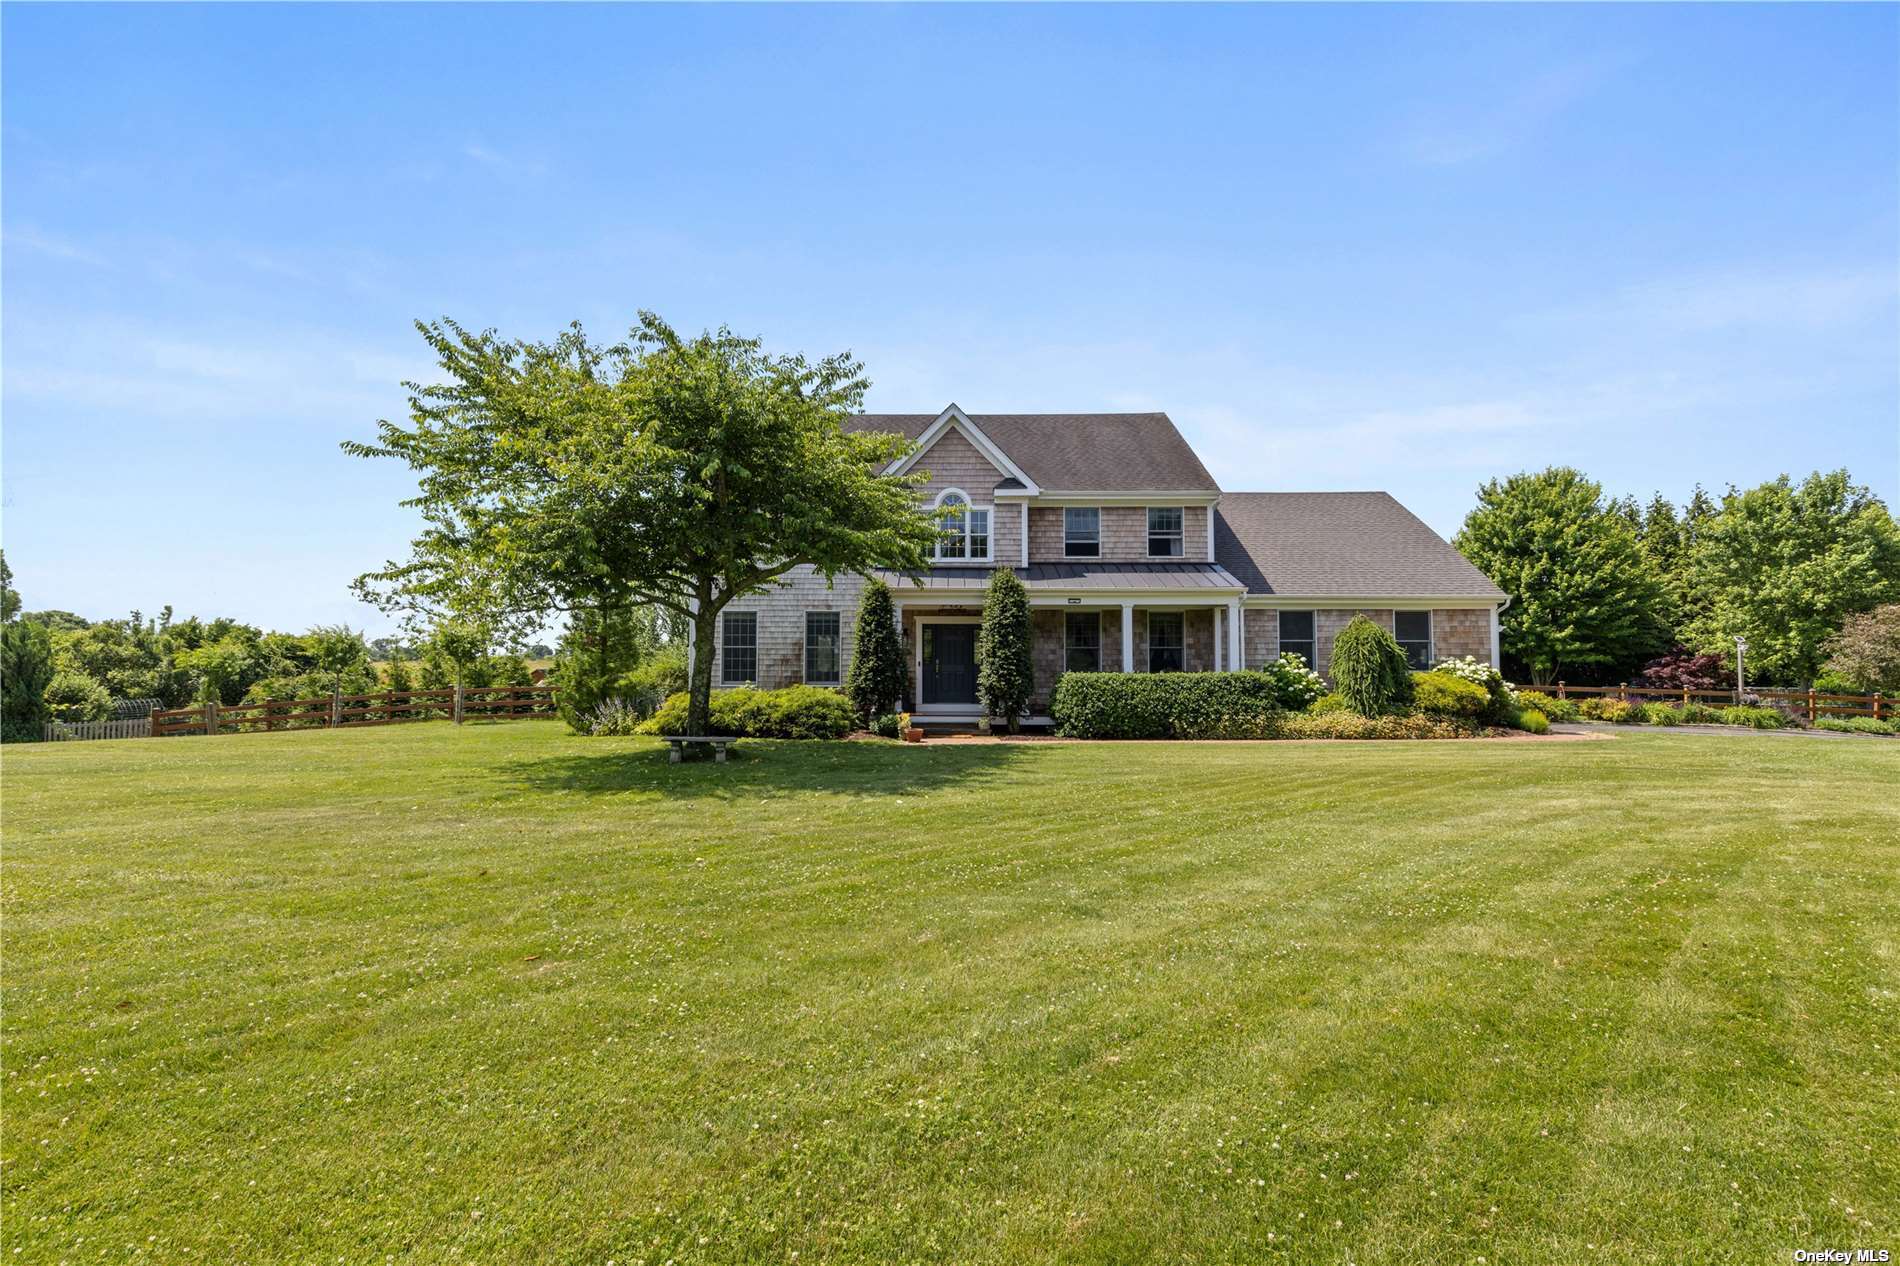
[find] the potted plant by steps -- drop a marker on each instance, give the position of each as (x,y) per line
(912,733)
(983,726)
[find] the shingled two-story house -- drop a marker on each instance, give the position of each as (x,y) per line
(1134,559)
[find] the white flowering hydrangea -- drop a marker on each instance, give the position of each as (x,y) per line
(1477,672)
(1296,684)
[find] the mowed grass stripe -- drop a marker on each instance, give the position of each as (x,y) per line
(994,1003)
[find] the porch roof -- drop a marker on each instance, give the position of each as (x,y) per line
(1070,576)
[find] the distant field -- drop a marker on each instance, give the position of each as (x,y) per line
(502,994)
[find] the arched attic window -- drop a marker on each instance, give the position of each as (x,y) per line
(966,528)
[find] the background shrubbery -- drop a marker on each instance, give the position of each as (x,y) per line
(796,712)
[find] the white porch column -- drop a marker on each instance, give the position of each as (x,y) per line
(1128,637)
(1216,612)
(1236,654)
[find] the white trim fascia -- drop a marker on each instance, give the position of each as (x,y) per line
(1140,497)
(1411,602)
(1082,599)
(1025,527)
(953,416)
(1210,533)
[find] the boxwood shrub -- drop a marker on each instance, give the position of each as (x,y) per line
(796,712)
(1442,694)
(1531,721)
(1164,705)
(1554,709)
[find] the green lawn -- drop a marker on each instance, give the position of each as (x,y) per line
(503,994)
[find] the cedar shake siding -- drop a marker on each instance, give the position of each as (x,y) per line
(953,462)
(781,627)
(1124,534)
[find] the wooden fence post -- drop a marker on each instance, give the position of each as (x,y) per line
(211,716)
(458,703)
(1560,690)
(1810,705)
(1623,692)
(1876,705)
(1685,696)
(153,732)
(336,707)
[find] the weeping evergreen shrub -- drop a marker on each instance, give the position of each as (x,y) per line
(1370,670)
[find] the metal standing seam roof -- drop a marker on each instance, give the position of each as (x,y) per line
(1074,575)
(1348,544)
(1077,452)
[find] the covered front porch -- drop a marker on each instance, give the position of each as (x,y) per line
(1187,628)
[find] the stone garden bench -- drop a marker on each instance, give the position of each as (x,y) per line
(678,743)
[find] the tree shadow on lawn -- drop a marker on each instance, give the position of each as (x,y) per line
(843,768)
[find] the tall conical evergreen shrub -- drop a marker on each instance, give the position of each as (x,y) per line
(878,676)
(1005,662)
(1370,670)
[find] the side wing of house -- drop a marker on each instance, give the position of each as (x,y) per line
(1311,561)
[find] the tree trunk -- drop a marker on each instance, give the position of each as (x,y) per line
(1015,722)
(699,697)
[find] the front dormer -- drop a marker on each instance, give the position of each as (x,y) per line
(1019,489)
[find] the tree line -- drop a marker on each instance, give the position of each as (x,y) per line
(59,666)
(1807,574)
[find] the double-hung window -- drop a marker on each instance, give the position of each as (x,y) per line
(821,648)
(1164,532)
(965,530)
(1167,648)
(1081,532)
(1413,630)
(1296,635)
(1082,642)
(739,647)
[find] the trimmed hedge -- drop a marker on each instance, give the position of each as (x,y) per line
(1531,721)
(1163,705)
(796,712)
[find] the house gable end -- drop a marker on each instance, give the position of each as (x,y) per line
(952,440)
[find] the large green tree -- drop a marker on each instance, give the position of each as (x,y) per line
(682,472)
(9,596)
(879,676)
(1785,564)
(1584,593)
(26,669)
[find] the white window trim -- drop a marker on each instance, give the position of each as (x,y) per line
(1431,631)
(1151,613)
(805,649)
(1098,532)
(1099,648)
(724,678)
(1148,534)
(969,503)
(1279,635)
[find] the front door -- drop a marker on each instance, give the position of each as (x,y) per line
(949,664)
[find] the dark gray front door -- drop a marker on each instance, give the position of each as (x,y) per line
(949,663)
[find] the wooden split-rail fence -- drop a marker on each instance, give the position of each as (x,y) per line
(1814,704)
(340,711)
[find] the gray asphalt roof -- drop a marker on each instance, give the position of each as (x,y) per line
(1077,575)
(1078,452)
(1348,544)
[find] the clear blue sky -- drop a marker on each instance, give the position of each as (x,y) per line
(1345,247)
